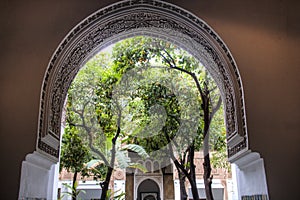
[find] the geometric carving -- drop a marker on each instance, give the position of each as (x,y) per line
(150,18)
(48,149)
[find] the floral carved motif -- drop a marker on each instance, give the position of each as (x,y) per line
(128,18)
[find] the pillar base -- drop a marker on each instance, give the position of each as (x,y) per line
(37,177)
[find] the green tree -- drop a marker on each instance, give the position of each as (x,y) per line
(89,109)
(142,51)
(92,109)
(210,104)
(74,154)
(112,102)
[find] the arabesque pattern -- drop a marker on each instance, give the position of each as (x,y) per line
(141,17)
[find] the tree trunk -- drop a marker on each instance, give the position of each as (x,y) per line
(192,175)
(183,193)
(105,184)
(207,167)
(74,186)
(110,168)
(194,189)
(208,115)
(207,178)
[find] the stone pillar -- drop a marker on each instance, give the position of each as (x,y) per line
(129,186)
(37,177)
(168,187)
(249,175)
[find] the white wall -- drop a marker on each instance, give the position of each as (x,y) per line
(37,177)
(250,175)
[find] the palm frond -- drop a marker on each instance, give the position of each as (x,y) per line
(137,149)
(122,159)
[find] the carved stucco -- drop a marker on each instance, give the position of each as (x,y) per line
(130,18)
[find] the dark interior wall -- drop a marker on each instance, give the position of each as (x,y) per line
(30,32)
(263,36)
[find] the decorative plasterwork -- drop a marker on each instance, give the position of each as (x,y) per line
(141,17)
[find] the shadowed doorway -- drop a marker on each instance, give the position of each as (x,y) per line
(148,190)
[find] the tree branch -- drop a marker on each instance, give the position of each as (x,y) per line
(90,135)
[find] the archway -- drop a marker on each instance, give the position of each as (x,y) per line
(148,189)
(116,22)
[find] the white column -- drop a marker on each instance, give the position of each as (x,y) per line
(235,192)
(250,175)
(37,177)
(176,189)
(53,181)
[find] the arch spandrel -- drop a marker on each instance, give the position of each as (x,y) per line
(126,19)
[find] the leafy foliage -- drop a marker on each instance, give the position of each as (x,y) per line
(96,115)
(74,153)
(139,52)
(74,191)
(146,95)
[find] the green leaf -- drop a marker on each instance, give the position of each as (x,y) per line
(122,159)
(94,163)
(137,149)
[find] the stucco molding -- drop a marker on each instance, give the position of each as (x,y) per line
(141,17)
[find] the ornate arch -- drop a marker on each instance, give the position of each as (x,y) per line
(140,17)
(158,180)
